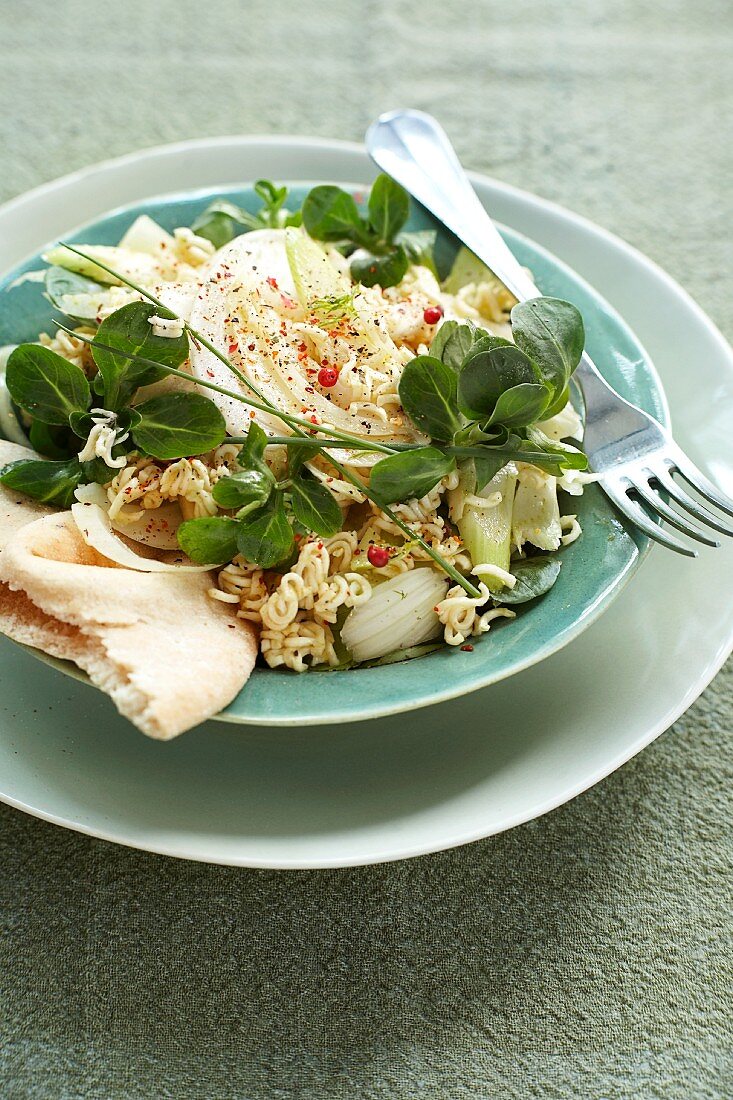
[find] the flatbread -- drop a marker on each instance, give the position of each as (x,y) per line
(168,655)
(16,509)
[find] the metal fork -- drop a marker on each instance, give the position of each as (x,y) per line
(633,456)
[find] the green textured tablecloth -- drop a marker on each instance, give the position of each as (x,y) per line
(584,955)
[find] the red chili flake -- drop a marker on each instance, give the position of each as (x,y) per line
(432,315)
(252,416)
(327,377)
(289,303)
(233,347)
(378,556)
(313,419)
(467,648)
(272,282)
(210,372)
(250,347)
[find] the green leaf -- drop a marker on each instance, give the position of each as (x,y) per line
(97,470)
(558,404)
(273,199)
(487,374)
(265,537)
(222,221)
(389,208)
(244,489)
(384,269)
(550,331)
(129,330)
(61,283)
(409,474)
(176,425)
(81,424)
(52,440)
(49,482)
(314,506)
(211,540)
(453,341)
(428,392)
(252,454)
(535,576)
(487,466)
(572,458)
(330,214)
(521,405)
(484,341)
(46,385)
(419,244)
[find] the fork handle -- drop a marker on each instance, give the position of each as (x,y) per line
(413,148)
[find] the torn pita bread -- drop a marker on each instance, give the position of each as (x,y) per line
(169,655)
(16,509)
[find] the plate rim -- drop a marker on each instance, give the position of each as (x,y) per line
(671,712)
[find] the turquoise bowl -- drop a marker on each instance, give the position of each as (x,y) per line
(594,569)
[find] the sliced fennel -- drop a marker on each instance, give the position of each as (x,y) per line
(400,614)
(90,514)
(156,527)
(314,274)
(400,656)
(563,425)
(145,235)
(536,515)
(487,530)
(248,293)
(467,268)
(140,267)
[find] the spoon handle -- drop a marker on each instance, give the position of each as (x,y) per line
(412,148)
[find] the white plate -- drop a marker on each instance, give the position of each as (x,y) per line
(387,789)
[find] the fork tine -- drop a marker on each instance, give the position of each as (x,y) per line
(640,519)
(682,524)
(683,498)
(698,481)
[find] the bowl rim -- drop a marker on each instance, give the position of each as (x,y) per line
(456,686)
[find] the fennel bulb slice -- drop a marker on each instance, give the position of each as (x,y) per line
(400,614)
(536,515)
(91,516)
(314,273)
(140,267)
(145,235)
(249,308)
(487,531)
(565,424)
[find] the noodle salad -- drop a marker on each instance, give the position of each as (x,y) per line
(366,456)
